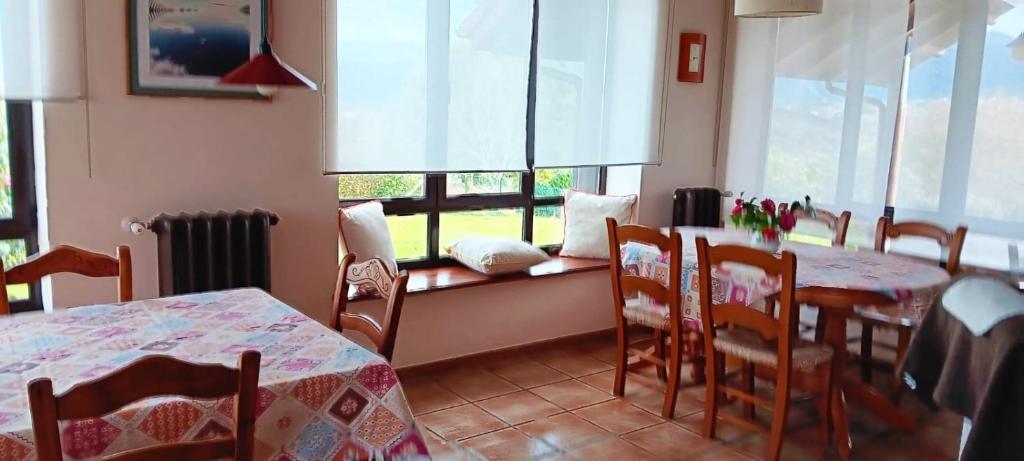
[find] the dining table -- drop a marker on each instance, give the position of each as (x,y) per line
(909,283)
(321,396)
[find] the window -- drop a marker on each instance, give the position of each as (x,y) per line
(17,199)
(844,108)
(426,213)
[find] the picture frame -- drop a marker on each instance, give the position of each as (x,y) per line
(184,47)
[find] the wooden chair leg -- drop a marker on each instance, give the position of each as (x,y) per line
(867,342)
(819,328)
(675,366)
(824,402)
(711,398)
(622,344)
(779,413)
(659,350)
(903,342)
(698,367)
(748,386)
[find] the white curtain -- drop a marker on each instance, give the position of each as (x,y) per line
(813,104)
(41,50)
(427,85)
(600,79)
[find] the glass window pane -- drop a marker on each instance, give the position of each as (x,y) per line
(555,182)
(6,201)
(13,253)
(507,222)
(409,236)
(995,188)
(548,225)
(362,186)
(483,183)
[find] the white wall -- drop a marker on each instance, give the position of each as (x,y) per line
(691,118)
(150,155)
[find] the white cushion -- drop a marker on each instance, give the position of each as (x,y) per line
(364,232)
(496,255)
(586,234)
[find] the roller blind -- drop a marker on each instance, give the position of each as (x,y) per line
(600,81)
(41,49)
(427,85)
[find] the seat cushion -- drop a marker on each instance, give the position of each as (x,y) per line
(645,311)
(750,346)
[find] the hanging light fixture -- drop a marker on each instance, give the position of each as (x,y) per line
(267,71)
(777,8)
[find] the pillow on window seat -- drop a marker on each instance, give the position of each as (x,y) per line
(496,255)
(364,232)
(586,233)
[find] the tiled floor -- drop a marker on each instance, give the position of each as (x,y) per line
(557,405)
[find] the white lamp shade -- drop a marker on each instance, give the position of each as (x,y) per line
(41,48)
(777,8)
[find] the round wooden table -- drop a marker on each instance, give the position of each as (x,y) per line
(909,283)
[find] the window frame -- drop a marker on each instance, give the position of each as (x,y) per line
(435,201)
(23,223)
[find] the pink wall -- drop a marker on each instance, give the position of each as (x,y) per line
(151,155)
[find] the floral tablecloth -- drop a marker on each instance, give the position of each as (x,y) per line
(901,279)
(321,396)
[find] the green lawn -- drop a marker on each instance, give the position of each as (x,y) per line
(17,292)
(409,233)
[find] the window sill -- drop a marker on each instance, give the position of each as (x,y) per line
(435,279)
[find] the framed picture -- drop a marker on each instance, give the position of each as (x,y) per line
(184,47)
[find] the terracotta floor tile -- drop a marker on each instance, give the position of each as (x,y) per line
(723,431)
(571,395)
(618,416)
(530,374)
(565,431)
(508,444)
(669,441)
(574,363)
(461,422)
(723,454)
(441,450)
(475,384)
(612,449)
(426,395)
(519,407)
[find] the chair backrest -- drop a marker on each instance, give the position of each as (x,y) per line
(951,243)
(151,377)
(624,284)
(382,336)
(69,259)
(839,225)
(715,314)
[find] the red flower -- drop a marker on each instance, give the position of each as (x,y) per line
(769,234)
(787,221)
(769,206)
(738,210)
(739,202)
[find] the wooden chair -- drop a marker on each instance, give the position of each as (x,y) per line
(757,339)
(839,225)
(383,337)
(151,377)
(68,259)
(661,311)
(951,244)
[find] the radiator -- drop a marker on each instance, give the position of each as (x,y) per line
(697,206)
(204,252)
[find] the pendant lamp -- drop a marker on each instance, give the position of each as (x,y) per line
(777,8)
(267,70)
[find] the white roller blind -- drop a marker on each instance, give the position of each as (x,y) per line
(813,105)
(600,79)
(41,51)
(427,85)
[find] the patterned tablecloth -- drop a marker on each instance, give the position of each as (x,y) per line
(902,279)
(321,396)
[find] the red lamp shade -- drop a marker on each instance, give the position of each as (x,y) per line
(266,69)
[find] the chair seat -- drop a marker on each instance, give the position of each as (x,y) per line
(750,346)
(646,312)
(895,315)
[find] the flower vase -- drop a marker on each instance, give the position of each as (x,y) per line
(758,240)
